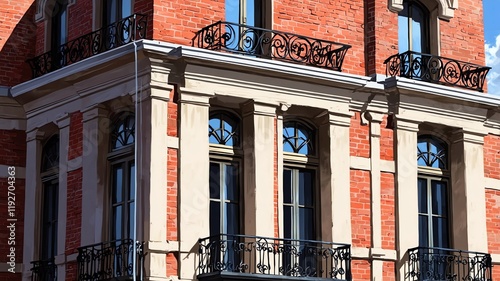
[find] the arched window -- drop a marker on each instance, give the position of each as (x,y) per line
(225,171)
(298,138)
(122,192)
(50,200)
(433,192)
(223,128)
(413,27)
(299,181)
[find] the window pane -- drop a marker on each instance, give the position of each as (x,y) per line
(422,195)
(117,183)
(232,186)
(214,180)
(306,185)
(233,11)
(214,218)
(306,224)
(439,198)
(131,195)
(403,32)
(418,29)
(126,8)
(232,219)
(131,220)
(117,223)
(287,221)
(440,232)
(287,186)
(423,231)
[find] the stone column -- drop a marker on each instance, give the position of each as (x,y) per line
(259,146)
(335,178)
(32,200)
(96,129)
(468,201)
(194,178)
(406,190)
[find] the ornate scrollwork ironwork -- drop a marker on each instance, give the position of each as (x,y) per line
(274,256)
(436,69)
(265,43)
(448,264)
(44,270)
(109,37)
(109,260)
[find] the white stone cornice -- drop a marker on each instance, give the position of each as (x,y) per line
(446,7)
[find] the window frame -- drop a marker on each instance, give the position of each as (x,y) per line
(227,154)
(430,174)
(121,156)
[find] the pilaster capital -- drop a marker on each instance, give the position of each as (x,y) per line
(194,98)
(406,125)
(469,136)
(259,108)
(63,120)
(35,135)
(95,111)
(336,118)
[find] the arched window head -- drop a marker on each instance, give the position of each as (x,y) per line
(223,128)
(432,152)
(50,154)
(298,138)
(413,27)
(123,131)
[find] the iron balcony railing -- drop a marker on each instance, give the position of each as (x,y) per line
(243,254)
(448,264)
(109,37)
(110,261)
(436,69)
(44,270)
(265,43)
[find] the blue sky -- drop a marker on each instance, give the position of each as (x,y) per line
(492,40)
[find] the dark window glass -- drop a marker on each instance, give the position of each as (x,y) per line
(433,213)
(115,10)
(123,200)
(224,198)
(413,22)
(49,219)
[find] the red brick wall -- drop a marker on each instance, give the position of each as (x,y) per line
(387,203)
(75,135)
(386,140)
(74,211)
(339,21)
(359,137)
(491,152)
(493,220)
(462,37)
(360,270)
(172,173)
(360,208)
(17,33)
(389,271)
(12,153)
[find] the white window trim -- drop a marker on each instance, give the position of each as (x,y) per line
(446,7)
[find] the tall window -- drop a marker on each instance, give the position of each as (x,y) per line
(299,196)
(413,27)
(225,167)
(115,10)
(433,192)
(59,33)
(123,173)
(50,198)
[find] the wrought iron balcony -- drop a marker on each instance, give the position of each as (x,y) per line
(110,261)
(436,69)
(272,44)
(448,264)
(227,257)
(44,270)
(114,35)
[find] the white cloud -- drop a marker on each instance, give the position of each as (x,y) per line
(493,61)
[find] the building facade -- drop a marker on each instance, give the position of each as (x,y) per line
(247,139)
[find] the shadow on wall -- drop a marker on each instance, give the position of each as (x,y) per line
(17,47)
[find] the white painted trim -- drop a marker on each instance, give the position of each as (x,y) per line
(172,142)
(163,247)
(446,7)
(20,172)
(4,91)
(493,184)
(373,253)
(13,124)
(495,259)
(75,163)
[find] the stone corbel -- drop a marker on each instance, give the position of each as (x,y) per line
(446,7)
